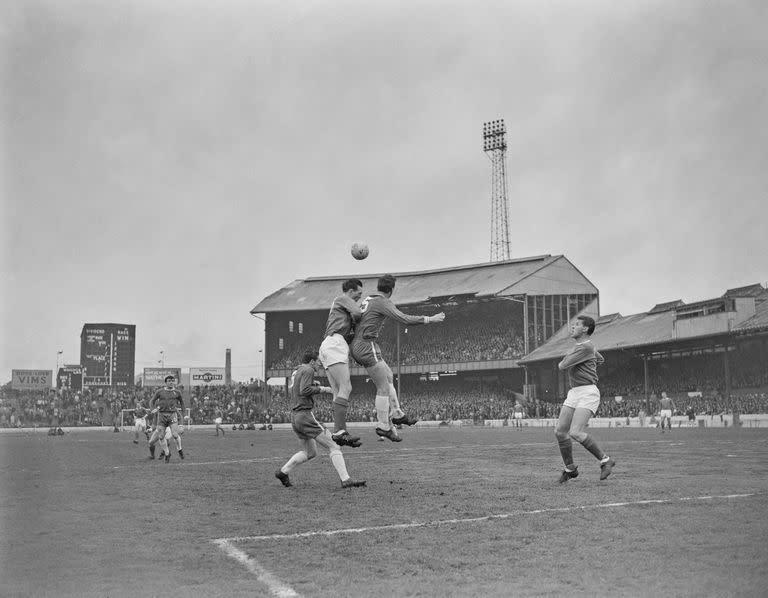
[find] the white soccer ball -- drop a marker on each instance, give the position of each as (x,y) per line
(359,251)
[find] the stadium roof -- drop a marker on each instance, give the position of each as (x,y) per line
(642,329)
(752,290)
(669,305)
(615,332)
(541,274)
(757,321)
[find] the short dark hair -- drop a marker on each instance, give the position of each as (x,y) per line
(386,283)
(351,284)
(309,355)
(588,322)
(169,377)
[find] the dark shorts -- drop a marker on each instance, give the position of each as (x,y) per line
(305,425)
(166,419)
(366,353)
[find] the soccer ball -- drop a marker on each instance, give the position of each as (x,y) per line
(359,251)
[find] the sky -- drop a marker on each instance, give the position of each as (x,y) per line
(170,164)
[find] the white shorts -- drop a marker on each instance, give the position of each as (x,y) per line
(140,423)
(666,413)
(518,415)
(334,349)
(583,397)
(217,421)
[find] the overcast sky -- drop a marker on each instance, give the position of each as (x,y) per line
(169,164)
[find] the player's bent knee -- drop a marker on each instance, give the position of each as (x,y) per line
(577,435)
(310,454)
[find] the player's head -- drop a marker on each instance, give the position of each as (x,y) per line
(386,284)
(583,325)
(309,356)
(169,380)
(353,288)
(663,395)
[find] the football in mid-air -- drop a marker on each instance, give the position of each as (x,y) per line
(359,251)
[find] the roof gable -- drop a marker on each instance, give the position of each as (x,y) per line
(476,280)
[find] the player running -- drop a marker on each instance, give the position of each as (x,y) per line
(667,407)
(334,355)
(582,401)
(307,428)
(377,309)
(140,412)
(166,402)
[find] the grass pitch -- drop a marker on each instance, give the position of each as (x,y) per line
(447,512)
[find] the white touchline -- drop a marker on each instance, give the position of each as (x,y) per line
(276,587)
(394,526)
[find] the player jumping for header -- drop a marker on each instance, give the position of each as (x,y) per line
(334,355)
(377,309)
(582,401)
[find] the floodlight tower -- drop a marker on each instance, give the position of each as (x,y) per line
(495,147)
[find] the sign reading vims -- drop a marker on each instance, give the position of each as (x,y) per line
(32,379)
(206,376)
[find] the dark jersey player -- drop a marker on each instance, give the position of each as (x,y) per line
(166,402)
(582,401)
(306,427)
(376,310)
(334,355)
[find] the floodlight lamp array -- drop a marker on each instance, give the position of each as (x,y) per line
(494,135)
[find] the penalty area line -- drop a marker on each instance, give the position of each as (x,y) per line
(276,587)
(415,524)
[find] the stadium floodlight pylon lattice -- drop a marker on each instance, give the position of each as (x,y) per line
(495,147)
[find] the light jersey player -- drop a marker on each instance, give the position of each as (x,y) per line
(140,412)
(219,417)
(307,428)
(666,406)
(377,309)
(334,355)
(518,414)
(167,401)
(582,401)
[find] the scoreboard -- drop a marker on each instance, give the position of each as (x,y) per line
(108,354)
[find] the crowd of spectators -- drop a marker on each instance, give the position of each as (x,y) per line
(695,383)
(697,373)
(710,403)
(475,332)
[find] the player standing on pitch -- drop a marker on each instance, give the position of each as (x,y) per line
(377,309)
(667,407)
(582,401)
(307,428)
(166,401)
(334,355)
(140,412)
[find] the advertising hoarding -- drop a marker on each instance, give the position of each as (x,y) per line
(207,376)
(31,379)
